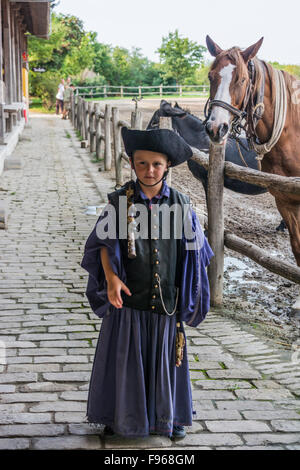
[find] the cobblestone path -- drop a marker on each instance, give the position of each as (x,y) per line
(246,388)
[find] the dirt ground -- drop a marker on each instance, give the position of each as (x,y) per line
(251,293)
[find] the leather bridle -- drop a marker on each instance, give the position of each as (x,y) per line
(250,113)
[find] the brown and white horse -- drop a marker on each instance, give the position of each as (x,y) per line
(229,83)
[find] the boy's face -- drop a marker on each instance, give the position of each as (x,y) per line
(149,166)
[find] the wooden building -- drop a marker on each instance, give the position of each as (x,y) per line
(17,19)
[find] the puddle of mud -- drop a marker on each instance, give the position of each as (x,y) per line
(239,286)
(236,269)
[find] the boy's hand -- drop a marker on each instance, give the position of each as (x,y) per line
(114,287)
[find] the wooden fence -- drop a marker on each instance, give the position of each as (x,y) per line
(218,237)
(105,91)
(86,118)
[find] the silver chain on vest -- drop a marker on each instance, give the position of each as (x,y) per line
(162,301)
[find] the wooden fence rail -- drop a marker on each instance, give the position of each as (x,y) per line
(87,117)
(92,91)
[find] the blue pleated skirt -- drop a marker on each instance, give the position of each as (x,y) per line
(135,386)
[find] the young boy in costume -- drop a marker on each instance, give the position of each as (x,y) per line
(144,284)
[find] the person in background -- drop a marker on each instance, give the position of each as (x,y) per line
(60,97)
(69,88)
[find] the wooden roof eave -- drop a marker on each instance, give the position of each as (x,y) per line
(36,16)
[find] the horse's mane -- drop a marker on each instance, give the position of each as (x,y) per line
(186,110)
(289,81)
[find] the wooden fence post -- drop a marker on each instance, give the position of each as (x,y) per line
(75,111)
(73,108)
(82,111)
(160,90)
(89,122)
(117,146)
(78,113)
(86,121)
(93,140)
(80,101)
(107,138)
(166,123)
(216,222)
(91,127)
(2,123)
(98,130)
(136,123)
(83,123)
(136,120)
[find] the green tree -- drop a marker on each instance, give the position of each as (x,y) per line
(103,62)
(121,71)
(180,57)
(81,57)
(69,50)
(120,66)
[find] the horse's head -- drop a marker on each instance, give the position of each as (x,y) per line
(190,127)
(165,110)
(229,85)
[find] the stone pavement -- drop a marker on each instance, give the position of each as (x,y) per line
(246,387)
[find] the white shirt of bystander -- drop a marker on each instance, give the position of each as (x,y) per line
(60,93)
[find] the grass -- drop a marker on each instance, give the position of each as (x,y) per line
(36,106)
(78,135)
(223,365)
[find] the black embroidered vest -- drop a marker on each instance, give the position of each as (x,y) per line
(157,266)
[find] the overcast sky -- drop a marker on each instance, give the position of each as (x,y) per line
(136,23)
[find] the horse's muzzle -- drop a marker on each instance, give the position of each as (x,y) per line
(216,133)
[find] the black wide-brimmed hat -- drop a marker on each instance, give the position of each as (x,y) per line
(157,140)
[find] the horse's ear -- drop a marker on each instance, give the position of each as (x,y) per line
(251,51)
(163,102)
(165,105)
(213,48)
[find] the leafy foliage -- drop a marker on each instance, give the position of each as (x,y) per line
(68,51)
(292,69)
(180,56)
(71,50)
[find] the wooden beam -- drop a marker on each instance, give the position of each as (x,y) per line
(7,52)
(13,56)
(216,222)
(284,184)
(29,1)
(1,62)
(18,62)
